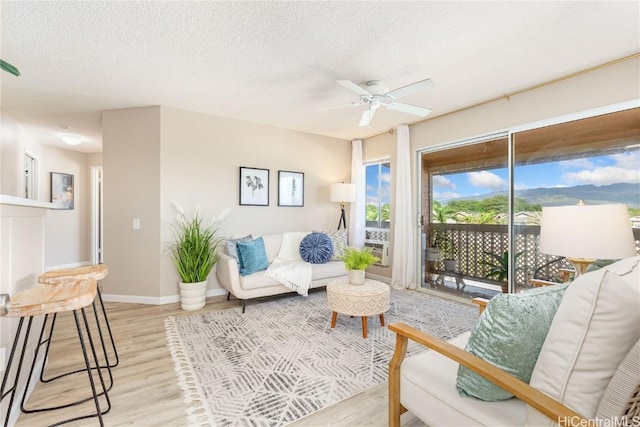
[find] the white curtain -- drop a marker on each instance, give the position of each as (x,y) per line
(357,208)
(403,269)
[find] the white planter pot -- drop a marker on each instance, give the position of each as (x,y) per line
(450,264)
(193,295)
(356,277)
(432,254)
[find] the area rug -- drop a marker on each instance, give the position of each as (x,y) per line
(281,361)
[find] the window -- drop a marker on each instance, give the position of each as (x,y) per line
(378,179)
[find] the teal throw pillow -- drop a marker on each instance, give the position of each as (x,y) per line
(509,335)
(252,256)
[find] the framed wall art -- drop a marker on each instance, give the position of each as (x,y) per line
(254,186)
(290,188)
(62,190)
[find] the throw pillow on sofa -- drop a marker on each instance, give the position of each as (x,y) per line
(316,248)
(231,245)
(509,335)
(252,256)
(339,241)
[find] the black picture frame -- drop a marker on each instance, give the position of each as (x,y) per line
(290,188)
(62,191)
(254,186)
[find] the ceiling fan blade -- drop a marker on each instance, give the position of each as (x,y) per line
(351,104)
(408,108)
(353,87)
(411,89)
(367,116)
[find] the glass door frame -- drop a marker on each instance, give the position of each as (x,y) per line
(509,133)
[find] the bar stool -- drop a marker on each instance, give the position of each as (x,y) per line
(88,272)
(72,296)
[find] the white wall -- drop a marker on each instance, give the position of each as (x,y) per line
(167,155)
(67,231)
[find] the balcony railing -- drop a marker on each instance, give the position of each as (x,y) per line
(468,244)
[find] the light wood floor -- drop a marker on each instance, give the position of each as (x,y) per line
(145,391)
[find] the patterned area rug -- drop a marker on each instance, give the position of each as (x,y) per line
(281,360)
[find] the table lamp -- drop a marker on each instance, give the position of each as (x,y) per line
(343,193)
(584,233)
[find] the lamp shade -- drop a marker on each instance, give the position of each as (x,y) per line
(343,193)
(592,232)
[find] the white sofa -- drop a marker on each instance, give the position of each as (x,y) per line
(588,367)
(257,285)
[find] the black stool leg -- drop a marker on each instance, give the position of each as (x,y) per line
(26,410)
(12,390)
(113,343)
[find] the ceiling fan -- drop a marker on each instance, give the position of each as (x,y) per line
(376,94)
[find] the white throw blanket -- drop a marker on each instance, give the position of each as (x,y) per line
(288,268)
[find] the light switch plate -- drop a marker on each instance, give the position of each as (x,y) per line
(136,223)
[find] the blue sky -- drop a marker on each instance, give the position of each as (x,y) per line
(597,170)
(372,185)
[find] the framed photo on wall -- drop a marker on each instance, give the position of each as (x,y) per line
(254,186)
(290,188)
(62,190)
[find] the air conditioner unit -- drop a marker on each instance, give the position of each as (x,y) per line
(380,249)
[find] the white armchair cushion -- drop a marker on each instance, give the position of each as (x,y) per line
(596,325)
(427,390)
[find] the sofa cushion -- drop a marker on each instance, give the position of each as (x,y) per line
(339,241)
(596,325)
(509,335)
(427,390)
(231,248)
(328,270)
(622,387)
(252,256)
(316,248)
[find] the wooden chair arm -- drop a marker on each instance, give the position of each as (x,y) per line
(566,274)
(537,283)
(481,303)
(523,391)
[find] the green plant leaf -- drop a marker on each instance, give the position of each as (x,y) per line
(9,68)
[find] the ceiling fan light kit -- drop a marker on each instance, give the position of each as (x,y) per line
(376,94)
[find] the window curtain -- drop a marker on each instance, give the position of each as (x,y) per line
(357,208)
(403,269)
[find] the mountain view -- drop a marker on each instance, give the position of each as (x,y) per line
(591,194)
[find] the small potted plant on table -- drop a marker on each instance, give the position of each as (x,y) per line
(357,261)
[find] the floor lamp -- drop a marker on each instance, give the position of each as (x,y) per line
(584,233)
(343,193)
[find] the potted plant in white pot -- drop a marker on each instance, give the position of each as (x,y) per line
(194,253)
(357,261)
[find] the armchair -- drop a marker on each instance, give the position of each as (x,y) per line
(586,373)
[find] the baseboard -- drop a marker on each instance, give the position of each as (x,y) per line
(72,265)
(170,299)
(384,279)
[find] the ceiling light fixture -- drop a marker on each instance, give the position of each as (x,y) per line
(71,139)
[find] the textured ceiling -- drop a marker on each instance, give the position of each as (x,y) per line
(275,62)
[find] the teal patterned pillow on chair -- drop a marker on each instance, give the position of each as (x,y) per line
(509,335)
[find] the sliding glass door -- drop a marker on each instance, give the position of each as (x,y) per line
(482,199)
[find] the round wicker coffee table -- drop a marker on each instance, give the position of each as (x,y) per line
(370,299)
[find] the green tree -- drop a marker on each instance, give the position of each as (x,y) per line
(372,212)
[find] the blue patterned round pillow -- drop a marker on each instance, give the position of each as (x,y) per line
(316,248)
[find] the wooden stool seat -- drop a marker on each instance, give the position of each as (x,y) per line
(71,296)
(53,299)
(86,272)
